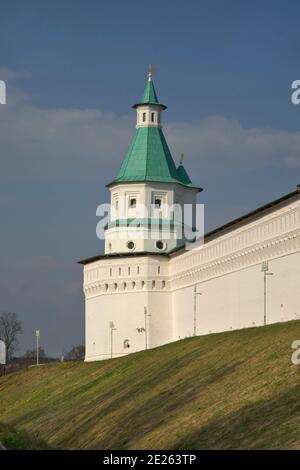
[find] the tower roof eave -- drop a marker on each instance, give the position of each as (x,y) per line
(162,106)
(153,180)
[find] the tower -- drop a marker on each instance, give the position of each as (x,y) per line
(128,298)
(149,193)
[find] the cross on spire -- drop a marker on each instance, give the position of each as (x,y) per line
(151,71)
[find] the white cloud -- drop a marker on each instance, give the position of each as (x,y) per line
(76,143)
(227,142)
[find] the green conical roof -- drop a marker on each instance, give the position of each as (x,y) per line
(148,157)
(149,96)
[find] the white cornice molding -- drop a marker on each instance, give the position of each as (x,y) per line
(242,259)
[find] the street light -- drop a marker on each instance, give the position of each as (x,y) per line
(146,329)
(265,268)
(37,334)
(112,329)
(195,309)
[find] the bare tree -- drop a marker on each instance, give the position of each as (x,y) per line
(10,327)
(31,353)
(76,353)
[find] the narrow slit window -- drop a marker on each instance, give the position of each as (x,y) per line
(132,203)
(144,117)
(152,117)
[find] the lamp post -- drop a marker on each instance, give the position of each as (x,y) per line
(195,309)
(265,269)
(146,329)
(37,334)
(112,329)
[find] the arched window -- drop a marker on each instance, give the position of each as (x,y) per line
(152,117)
(144,117)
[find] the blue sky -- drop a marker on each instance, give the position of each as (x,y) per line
(73,70)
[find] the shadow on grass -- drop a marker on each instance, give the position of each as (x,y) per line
(126,428)
(13,439)
(267,424)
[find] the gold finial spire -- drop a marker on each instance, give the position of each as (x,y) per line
(151,71)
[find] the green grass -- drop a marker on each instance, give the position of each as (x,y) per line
(234,390)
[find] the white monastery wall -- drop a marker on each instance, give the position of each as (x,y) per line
(226,270)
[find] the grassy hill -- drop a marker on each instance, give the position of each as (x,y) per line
(229,390)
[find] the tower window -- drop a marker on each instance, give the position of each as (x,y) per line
(132,203)
(158,270)
(144,117)
(130,246)
(157,203)
(152,117)
(110,272)
(119,271)
(160,245)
